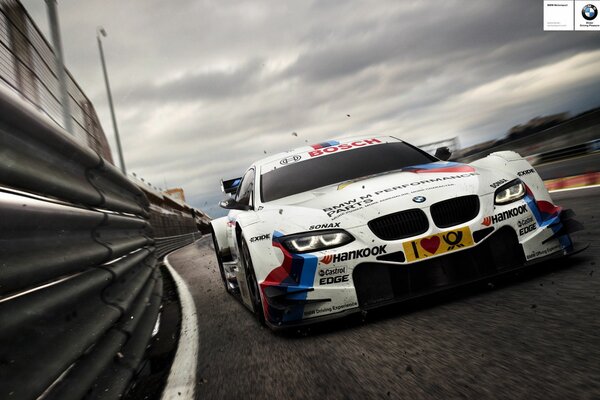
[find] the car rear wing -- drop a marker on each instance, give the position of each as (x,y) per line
(230,186)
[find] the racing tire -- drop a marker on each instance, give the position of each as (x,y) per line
(253,289)
(220,262)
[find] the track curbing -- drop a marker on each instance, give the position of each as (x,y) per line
(181,383)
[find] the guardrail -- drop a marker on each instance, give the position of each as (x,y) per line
(581,129)
(167,244)
(27,64)
(80,290)
(566,152)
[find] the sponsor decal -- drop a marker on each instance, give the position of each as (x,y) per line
(526,225)
(344,146)
(504,215)
(327,259)
(389,193)
(526,172)
(437,167)
(261,237)
(290,159)
(527,229)
(332,271)
(334,279)
(348,305)
(438,243)
(525,221)
(362,253)
(425,181)
(349,205)
(325,226)
(498,183)
(331,309)
(419,199)
(348,183)
(546,251)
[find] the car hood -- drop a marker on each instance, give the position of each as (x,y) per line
(356,202)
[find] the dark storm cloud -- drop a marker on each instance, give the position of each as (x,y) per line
(195,86)
(448,34)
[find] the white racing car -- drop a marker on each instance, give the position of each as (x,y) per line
(343,226)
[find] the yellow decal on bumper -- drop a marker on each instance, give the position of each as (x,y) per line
(440,243)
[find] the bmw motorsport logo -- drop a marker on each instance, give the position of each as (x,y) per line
(589,12)
(419,199)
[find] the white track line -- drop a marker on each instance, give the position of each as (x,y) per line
(181,383)
(575,188)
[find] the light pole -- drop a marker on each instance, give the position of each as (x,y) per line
(60,65)
(100,31)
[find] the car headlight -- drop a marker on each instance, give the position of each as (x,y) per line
(315,241)
(512,191)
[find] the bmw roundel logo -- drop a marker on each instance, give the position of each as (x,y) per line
(589,12)
(419,199)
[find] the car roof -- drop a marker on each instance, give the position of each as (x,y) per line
(319,149)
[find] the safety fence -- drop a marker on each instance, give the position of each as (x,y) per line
(80,290)
(28,66)
(566,152)
(165,245)
(576,131)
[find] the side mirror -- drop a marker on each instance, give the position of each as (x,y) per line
(231,204)
(443,153)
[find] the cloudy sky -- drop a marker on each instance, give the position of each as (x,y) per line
(202,88)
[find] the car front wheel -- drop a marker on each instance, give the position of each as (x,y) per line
(220,262)
(253,288)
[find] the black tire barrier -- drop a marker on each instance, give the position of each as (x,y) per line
(80,290)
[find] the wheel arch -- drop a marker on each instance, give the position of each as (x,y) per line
(259,239)
(218,228)
(513,163)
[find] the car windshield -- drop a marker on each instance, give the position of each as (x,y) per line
(339,167)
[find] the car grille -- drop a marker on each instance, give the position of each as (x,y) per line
(400,225)
(377,283)
(455,211)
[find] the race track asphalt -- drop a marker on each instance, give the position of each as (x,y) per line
(531,336)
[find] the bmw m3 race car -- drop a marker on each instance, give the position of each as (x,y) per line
(343,226)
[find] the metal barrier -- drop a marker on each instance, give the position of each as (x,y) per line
(80,290)
(27,64)
(580,129)
(167,244)
(79,286)
(567,152)
(169,223)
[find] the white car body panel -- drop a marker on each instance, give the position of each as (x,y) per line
(326,277)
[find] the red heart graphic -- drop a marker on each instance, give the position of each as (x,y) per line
(431,244)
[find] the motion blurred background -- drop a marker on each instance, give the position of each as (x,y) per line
(203,88)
